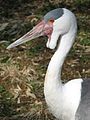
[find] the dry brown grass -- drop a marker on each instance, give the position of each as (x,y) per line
(23,69)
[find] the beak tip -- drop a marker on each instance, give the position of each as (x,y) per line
(9,47)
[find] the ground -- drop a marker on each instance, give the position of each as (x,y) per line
(22,69)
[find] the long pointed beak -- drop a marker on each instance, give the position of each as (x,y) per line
(38,30)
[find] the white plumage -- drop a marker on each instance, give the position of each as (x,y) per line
(65,101)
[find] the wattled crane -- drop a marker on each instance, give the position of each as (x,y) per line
(69,101)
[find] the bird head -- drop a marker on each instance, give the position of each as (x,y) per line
(55,23)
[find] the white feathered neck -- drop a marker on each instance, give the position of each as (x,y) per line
(53,87)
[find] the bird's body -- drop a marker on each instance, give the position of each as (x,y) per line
(63,103)
(69,101)
(62,99)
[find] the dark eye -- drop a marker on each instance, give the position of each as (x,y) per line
(51,20)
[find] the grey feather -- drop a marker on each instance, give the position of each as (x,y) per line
(83,111)
(54,14)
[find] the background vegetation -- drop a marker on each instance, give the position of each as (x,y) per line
(22,69)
